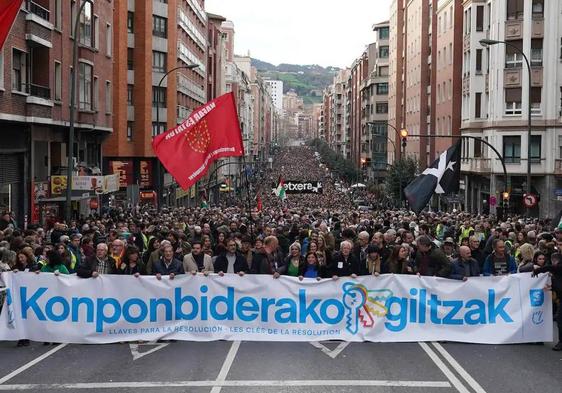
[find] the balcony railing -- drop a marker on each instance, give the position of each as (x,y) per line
(38,10)
(39,91)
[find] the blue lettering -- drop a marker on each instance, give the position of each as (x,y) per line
(101,317)
(89,303)
(265,304)
(305,311)
(324,311)
(499,310)
(179,306)
(434,303)
(228,302)
(456,306)
(127,310)
(31,303)
(154,303)
(477,315)
(51,313)
(401,317)
(290,310)
(247,305)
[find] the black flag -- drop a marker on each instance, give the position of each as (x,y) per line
(443,176)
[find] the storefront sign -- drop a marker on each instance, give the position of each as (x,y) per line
(125,171)
(388,308)
(58,185)
(302,187)
(145,174)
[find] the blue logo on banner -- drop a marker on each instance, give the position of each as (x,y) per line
(537,297)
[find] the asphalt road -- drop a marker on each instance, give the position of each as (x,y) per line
(256,367)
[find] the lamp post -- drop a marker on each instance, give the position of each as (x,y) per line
(73,87)
(488,42)
(160,167)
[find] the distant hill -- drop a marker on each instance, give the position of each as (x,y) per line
(307,80)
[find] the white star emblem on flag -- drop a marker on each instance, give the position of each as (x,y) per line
(438,172)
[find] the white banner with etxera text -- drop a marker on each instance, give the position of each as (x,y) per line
(388,308)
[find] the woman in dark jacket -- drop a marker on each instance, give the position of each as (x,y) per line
(312,268)
(132,263)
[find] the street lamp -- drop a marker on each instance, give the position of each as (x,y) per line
(73,88)
(160,167)
(488,42)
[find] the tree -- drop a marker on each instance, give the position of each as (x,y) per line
(399,176)
(341,166)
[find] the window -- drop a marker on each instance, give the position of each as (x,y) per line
(513,101)
(58,14)
(130,126)
(58,81)
(536,100)
(477,148)
(19,71)
(382,107)
(108,97)
(480,18)
(514,58)
(158,61)
(130,94)
(130,22)
(382,88)
(159,26)
(85,27)
(96,100)
(383,70)
(512,149)
(108,40)
(130,59)
(536,149)
(450,54)
(159,96)
(85,86)
(158,128)
(478,105)
(383,52)
(514,9)
(383,33)
(478,61)
(96,43)
(538,8)
(536,52)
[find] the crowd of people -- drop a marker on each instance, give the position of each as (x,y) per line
(309,236)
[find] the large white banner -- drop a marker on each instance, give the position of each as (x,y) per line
(494,310)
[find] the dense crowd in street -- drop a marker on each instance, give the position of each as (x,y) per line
(309,236)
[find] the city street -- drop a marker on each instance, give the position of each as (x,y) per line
(280,367)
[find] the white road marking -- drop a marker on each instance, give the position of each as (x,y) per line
(462,372)
(333,353)
(31,364)
(226,366)
(444,369)
(215,384)
(135,349)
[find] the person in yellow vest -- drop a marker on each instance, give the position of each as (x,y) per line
(75,252)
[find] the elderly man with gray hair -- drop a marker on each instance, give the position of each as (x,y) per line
(344,263)
(464,266)
(360,249)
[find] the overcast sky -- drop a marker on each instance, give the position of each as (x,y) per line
(325,32)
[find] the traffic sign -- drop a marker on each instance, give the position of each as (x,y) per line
(530,200)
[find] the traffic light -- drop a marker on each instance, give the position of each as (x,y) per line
(505,196)
(404,135)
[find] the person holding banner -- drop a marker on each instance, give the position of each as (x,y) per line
(197,260)
(556,271)
(101,263)
(231,261)
(294,261)
(431,261)
(168,265)
(344,262)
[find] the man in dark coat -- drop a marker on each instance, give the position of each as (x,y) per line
(167,265)
(431,261)
(464,266)
(231,261)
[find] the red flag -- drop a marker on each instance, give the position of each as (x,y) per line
(260,204)
(8,11)
(211,132)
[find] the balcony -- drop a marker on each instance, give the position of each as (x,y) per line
(39,91)
(38,10)
(537,29)
(514,29)
(536,76)
(483,165)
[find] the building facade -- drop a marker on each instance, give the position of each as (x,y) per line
(276,91)
(152,38)
(496,98)
(35,69)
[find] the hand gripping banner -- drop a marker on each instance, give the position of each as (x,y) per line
(388,308)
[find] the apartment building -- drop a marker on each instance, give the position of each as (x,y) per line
(496,98)
(35,69)
(152,38)
(374,97)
